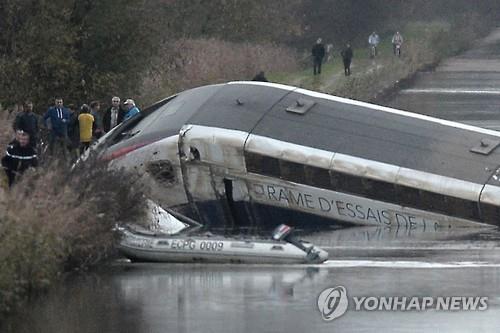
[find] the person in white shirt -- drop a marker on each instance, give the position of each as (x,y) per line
(373,40)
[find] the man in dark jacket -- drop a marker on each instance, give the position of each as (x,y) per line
(28,122)
(113,115)
(20,155)
(59,117)
(346,58)
(318,53)
(73,133)
(95,111)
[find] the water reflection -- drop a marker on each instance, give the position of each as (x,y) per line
(236,298)
(387,236)
(191,297)
(86,304)
(131,297)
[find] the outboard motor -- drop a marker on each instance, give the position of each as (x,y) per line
(283,232)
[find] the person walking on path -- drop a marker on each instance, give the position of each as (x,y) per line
(86,123)
(27,121)
(113,116)
(373,40)
(318,53)
(132,110)
(397,42)
(347,55)
(58,116)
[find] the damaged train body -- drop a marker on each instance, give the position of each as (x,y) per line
(261,154)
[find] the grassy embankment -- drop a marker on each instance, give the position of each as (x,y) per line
(425,44)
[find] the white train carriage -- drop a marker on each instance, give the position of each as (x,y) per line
(258,154)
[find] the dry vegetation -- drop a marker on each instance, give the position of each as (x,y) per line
(57,220)
(6,134)
(189,63)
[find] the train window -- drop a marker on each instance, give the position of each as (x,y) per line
(253,162)
(490,213)
(292,171)
(436,202)
(195,153)
(462,208)
(347,183)
(380,190)
(407,196)
(270,166)
(317,177)
(369,188)
(265,165)
(432,201)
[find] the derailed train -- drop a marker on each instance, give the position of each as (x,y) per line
(261,154)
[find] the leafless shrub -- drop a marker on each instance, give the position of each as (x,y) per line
(56,219)
(6,134)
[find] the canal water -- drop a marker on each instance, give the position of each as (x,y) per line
(366,262)
(465,88)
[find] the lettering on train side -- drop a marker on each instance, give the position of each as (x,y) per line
(338,207)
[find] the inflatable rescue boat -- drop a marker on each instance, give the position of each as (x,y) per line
(281,248)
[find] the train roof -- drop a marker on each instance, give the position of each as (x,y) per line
(335,124)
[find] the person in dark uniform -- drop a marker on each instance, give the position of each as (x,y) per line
(20,156)
(347,55)
(318,53)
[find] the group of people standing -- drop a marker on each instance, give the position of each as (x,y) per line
(71,132)
(318,51)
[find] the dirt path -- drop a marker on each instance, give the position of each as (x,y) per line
(333,81)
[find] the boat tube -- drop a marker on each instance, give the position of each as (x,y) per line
(282,248)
